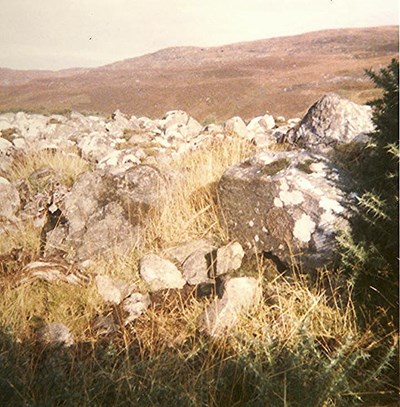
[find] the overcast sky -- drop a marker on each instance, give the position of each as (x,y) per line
(55,34)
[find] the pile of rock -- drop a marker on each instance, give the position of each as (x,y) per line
(282,204)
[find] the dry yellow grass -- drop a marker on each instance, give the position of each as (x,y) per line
(298,332)
(22,235)
(191,209)
(66,165)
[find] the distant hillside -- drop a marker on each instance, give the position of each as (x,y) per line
(280,75)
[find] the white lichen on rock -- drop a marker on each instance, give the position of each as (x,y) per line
(291,197)
(303,228)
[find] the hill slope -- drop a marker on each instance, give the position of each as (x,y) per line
(280,75)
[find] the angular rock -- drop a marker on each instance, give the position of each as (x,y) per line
(55,334)
(182,252)
(331,121)
(286,204)
(229,258)
(160,273)
(5,145)
(240,295)
(198,267)
(113,291)
(104,212)
(236,126)
(96,145)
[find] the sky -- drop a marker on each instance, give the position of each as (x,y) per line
(58,34)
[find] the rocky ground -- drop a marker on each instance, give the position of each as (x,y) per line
(90,185)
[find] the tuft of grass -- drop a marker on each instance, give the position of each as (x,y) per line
(67,166)
(191,208)
(23,235)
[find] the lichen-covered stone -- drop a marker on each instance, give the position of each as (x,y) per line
(287,204)
(104,212)
(332,121)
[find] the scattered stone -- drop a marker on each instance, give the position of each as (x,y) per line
(240,296)
(160,273)
(5,145)
(198,267)
(135,305)
(113,291)
(236,126)
(229,258)
(55,334)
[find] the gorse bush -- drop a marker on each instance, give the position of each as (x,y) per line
(371,251)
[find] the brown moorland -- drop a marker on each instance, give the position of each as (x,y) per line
(282,76)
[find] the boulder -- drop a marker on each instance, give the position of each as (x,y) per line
(286,204)
(240,296)
(331,121)
(160,273)
(104,212)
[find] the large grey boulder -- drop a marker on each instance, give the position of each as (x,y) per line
(332,121)
(104,213)
(285,204)
(241,295)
